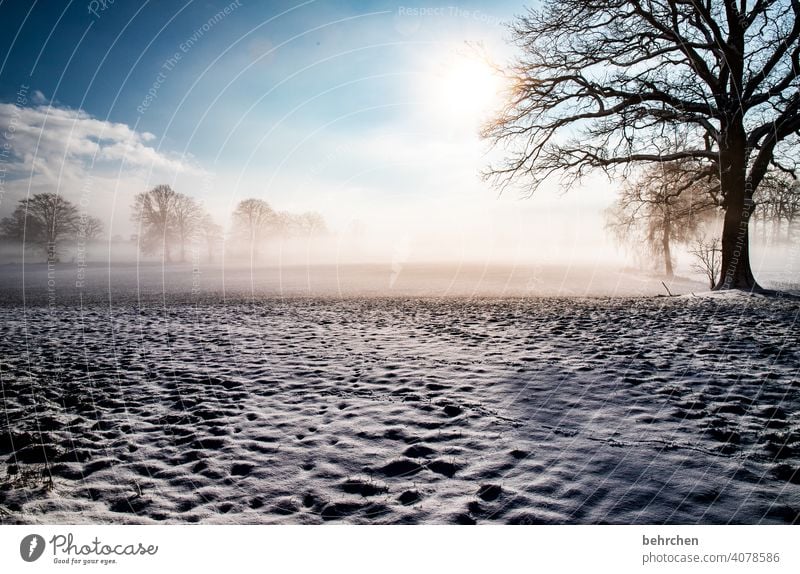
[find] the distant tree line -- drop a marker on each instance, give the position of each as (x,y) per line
(169,224)
(255,223)
(169,221)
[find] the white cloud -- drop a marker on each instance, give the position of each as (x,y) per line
(47,149)
(72,139)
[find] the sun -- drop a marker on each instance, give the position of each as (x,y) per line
(465,89)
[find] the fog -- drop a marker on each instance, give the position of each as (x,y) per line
(508,247)
(487,230)
(406,213)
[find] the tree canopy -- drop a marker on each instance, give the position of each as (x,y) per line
(601,84)
(45,220)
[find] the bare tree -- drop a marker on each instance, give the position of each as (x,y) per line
(778,204)
(708,254)
(253,219)
(186,218)
(665,205)
(154,212)
(211,233)
(607,83)
(89,227)
(308,224)
(284,224)
(20,224)
(43,220)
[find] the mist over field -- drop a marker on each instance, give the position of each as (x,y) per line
(519,250)
(355,262)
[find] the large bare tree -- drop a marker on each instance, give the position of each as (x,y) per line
(608,83)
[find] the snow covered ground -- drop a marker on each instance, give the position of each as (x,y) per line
(180,408)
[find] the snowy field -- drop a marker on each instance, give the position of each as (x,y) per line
(146,403)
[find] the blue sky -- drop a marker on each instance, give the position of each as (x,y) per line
(352,109)
(105,62)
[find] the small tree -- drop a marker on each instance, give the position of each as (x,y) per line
(664,206)
(89,227)
(310,224)
(253,219)
(708,254)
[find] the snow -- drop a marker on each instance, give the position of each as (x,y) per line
(303,410)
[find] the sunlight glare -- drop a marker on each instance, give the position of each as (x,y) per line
(466,89)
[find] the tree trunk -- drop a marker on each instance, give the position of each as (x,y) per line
(736,270)
(253,247)
(667,253)
(737,190)
(713,267)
